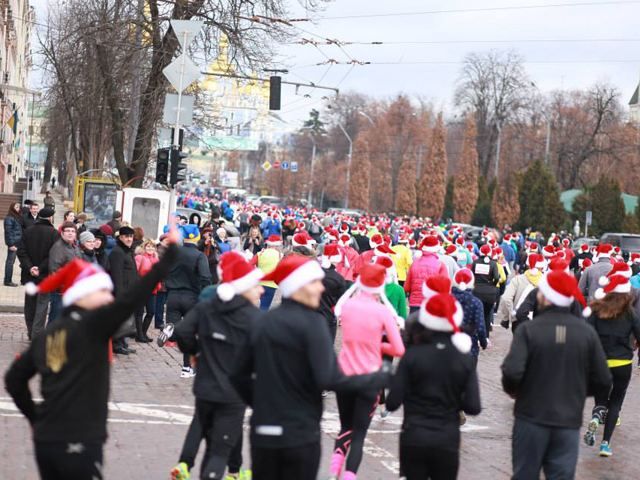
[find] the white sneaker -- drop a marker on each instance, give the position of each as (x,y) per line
(166,334)
(187,372)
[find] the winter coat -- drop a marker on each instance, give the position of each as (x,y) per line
(514,294)
(122,267)
(216,331)
(144,264)
(424,267)
(487,278)
(350,260)
(13,230)
(334,287)
(591,276)
(403,260)
(190,272)
(473,319)
(451,264)
(88,256)
(34,249)
(29,220)
(615,334)
(546,394)
(62,253)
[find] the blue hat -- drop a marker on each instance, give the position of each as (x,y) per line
(191,232)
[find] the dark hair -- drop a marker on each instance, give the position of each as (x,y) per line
(66,214)
(612,306)
(12,211)
(138,233)
(66,225)
(418,334)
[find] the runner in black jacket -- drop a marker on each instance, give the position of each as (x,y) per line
(215,330)
(282,372)
(334,287)
(69,426)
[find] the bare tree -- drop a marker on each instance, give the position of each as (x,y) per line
(494,86)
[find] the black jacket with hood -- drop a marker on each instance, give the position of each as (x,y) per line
(215,331)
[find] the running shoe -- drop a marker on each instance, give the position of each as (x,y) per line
(187,372)
(605,449)
(165,335)
(245,474)
(180,472)
(590,436)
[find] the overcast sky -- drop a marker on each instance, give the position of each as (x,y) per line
(578,61)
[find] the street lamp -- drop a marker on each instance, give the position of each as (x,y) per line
(313,161)
(346,199)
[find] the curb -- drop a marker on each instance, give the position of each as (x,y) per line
(11,308)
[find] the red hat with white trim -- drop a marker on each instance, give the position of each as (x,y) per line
(372,278)
(584,248)
(460,241)
(464,279)
(604,250)
(548,251)
(566,242)
(634,258)
(442,313)
(618,268)
(616,284)
(345,239)
(412,243)
(236,276)
(75,280)
(378,243)
(332,234)
(331,255)
(274,241)
(561,289)
(436,284)
(451,250)
(430,244)
(536,261)
(294,272)
(559,264)
(586,263)
(301,239)
(344,227)
(386,262)
(485,250)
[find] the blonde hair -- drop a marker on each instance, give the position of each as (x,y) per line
(146,243)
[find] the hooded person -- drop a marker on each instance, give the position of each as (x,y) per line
(216,330)
(283,371)
(369,326)
(334,285)
(72,360)
(428,265)
(518,289)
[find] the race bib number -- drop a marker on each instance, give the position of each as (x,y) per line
(482,269)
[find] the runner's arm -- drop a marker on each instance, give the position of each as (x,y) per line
(398,385)
(515,363)
(16,382)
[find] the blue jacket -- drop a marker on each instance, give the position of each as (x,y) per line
(635,281)
(473,320)
(508,251)
(270,227)
(12,231)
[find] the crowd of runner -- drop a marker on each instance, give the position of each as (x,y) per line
(273,307)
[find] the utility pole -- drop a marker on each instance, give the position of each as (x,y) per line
(346,198)
(498,149)
(548,142)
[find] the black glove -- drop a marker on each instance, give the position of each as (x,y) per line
(505,324)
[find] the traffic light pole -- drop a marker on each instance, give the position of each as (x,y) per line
(176,131)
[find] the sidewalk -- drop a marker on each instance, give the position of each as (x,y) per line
(12,298)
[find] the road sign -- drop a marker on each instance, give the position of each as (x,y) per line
(186,31)
(266,166)
(276,164)
(285,166)
(181,73)
(589,217)
(170,112)
(294,167)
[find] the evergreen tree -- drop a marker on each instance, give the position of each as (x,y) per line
(434,175)
(465,189)
(505,208)
(448,200)
(359,187)
(605,201)
(482,213)
(539,198)
(406,197)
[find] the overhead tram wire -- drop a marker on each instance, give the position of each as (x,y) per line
(305,41)
(478,10)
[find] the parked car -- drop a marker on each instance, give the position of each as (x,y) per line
(628,242)
(578,242)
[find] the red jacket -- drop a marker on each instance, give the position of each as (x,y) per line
(144,263)
(422,268)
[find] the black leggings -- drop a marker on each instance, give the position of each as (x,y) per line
(356,411)
(488,314)
(428,463)
(300,463)
(613,401)
(65,460)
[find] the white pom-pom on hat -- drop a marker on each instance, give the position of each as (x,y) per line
(462,342)
(599,295)
(603,281)
(31,289)
(225,292)
(587,312)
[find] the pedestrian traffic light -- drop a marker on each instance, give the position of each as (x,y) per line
(275,87)
(177,167)
(162,165)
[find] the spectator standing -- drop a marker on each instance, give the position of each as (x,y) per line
(100,240)
(49,201)
(69,216)
(146,258)
(81,220)
(116,222)
(33,253)
(13,229)
(253,243)
(122,267)
(222,241)
(550,400)
(211,250)
(62,252)
(87,243)
(31,216)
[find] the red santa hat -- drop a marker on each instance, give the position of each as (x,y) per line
(464,279)
(430,244)
(451,250)
(559,264)
(615,284)
(379,245)
(604,250)
(584,248)
(301,239)
(274,241)
(442,313)
(561,289)
(634,258)
(548,251)
(533,247)
(485,250)
(294,272)
(412,243)
(436,284)
(404,238)
(331,255)
(236,276)
(536,262)
(566,242)
(332,234)
(618,268)
(460,241)
(344,227)
(586,263)
(75,280)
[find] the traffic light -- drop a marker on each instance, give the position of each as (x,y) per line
(177,167)
(162,165)
(275,88)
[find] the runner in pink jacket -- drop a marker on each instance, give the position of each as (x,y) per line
(365,315)
(422,268)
